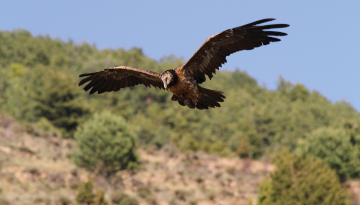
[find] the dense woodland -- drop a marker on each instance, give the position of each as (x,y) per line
(38,86)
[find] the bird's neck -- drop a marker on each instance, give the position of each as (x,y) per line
(175,78)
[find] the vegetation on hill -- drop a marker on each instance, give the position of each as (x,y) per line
(38,86)
(38,79)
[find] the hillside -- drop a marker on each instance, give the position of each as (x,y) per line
(211,156)
(38,170)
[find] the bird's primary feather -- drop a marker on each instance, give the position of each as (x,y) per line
(213,52)
(115,78)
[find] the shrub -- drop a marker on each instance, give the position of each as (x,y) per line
(46,127)
(100,198)
(188,143)
(74,185)
(244,149)
(63,200)
(106,145)
(129,201)
(120,198)
(301,180)
(145,193)
(181,194)
(85,193)
(42,200)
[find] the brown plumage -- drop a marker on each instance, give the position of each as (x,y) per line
(184,81)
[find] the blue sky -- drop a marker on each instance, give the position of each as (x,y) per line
(321,50)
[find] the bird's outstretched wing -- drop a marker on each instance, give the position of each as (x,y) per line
(212,54)
(115,78)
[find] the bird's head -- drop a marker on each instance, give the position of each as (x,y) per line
(169,78)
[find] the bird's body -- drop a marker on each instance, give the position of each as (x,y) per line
(185,88)
(184,81)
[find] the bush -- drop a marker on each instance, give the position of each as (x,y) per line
(46,128)
(100,198)
(145,193)
(244,149)
(335,147)
(42,200)
(106,145)
(62,200)
(188,143)
(120,198)
(85,193)
(301,180)
(181,194)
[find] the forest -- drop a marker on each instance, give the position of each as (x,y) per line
(39,88)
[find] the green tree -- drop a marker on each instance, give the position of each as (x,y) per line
(106,145)
(336,147)
(301,180)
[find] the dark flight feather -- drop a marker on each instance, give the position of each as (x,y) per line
(212,54)
(115,78)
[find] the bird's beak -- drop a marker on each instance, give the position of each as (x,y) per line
(165,86)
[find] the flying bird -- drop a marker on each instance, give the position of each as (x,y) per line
(184,81)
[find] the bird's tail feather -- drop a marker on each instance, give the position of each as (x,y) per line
(207,99)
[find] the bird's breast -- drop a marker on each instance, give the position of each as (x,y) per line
(184,88)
